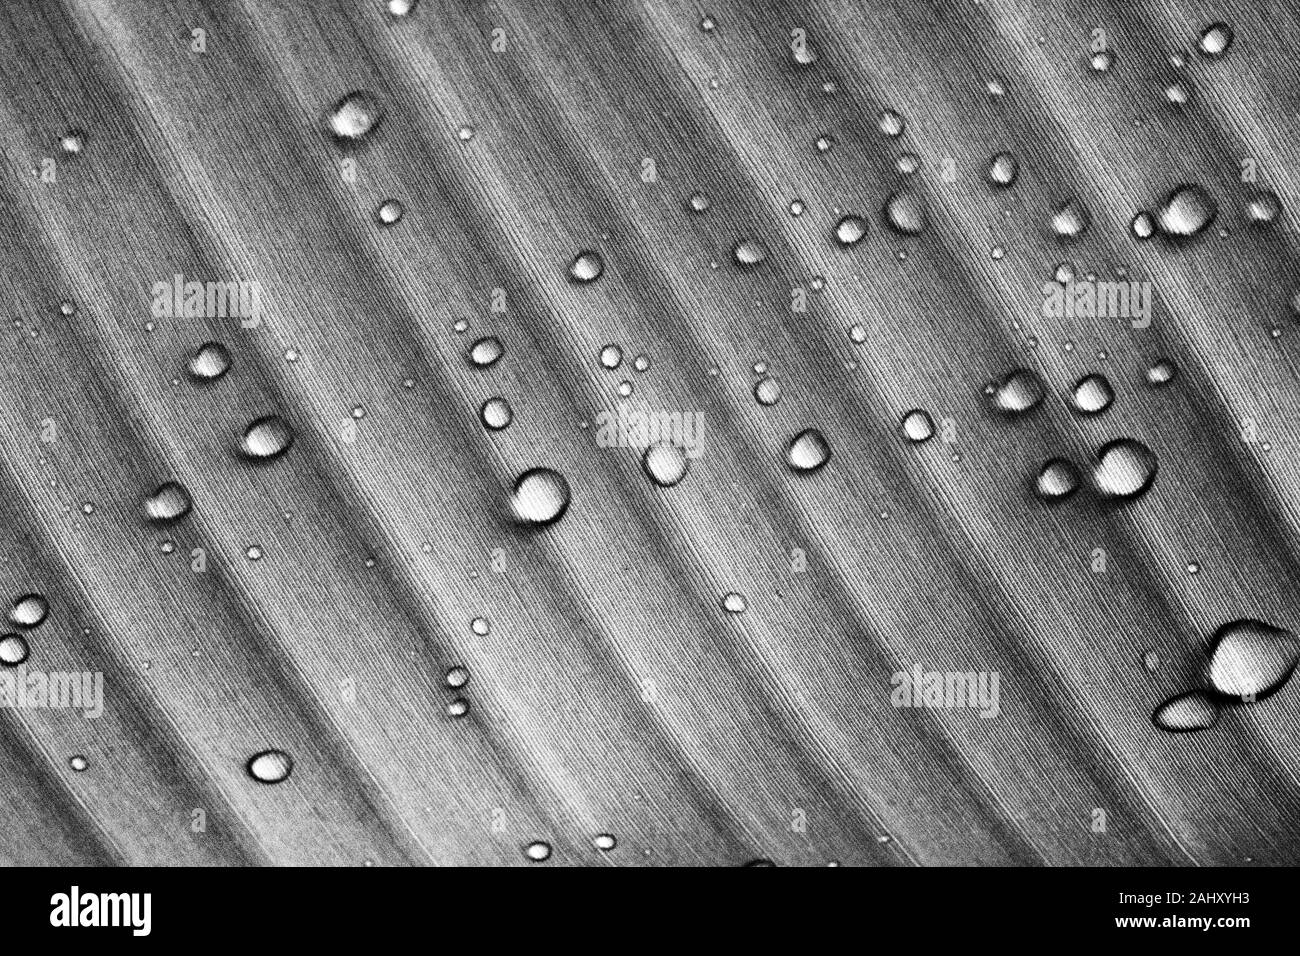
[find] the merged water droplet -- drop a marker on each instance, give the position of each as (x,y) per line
(1186,212)
(270,766)
(13,650)
(170,502)
(808,450)
(905,213)
(267,438)
(355,116)
(496,414)
(541,497)
(209,362)
(1021,391)
(1215,40)
(665,463)
(1003,170)
(850,230)
(29,611)
(486,351)
(1249,660)
(1070,219)
(1187,712)
(1057,479)
(918,426)
(587,266)
(749,253)
(1092,394)
(1125,469)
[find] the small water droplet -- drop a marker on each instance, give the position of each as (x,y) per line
(918,426)
(465,133)
(908,163)
(891,124)
(734,603)
(796,207)
(170,502)
(1057,479)
(457,676)
(1187,712)
(1161,372)
(1003,169)
(401,8)
(641,363)
(486,351)
(78,763)
(13,650)
(1249,660)
(390,212)
(825,143)
(905,213)
(270,766)
(1263,207)
(850,230)
(1092,394)
(267,438)
(496,414)
(1070,219)
(808,450)
(587,266)
(29,611)
(1215,40)
(541,496)
(604,842)
(73,141)
(1143,225)
(1177,94)
(253,553)
(749,253)
(665,463)
(858,333)
(210,361)
(1193,567)
(1125,469)
(355,116)
(1102,61)
(1021,391)
(1186,212)
(458,707)
(538,851)
(699,202)
(1151,661)
(480,626)
(995,86)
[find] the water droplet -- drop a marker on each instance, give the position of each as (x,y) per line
(1057,479)
(356,115)
(541,496)
(749,253)
(29,611)
(1003,169)
(891,124)
(1093,394)
(699,202)
(1249,660)
(73,141)
(1016,394)
(267,438)
(538,851)
(918,426)
(390,212)
(1125,469)
(1187,211)
(1070,219)
(270,766)
(486,351)
(850,230)
(1215,40)
(587,266)
(1102,61)
(496,414)
(905,213)
(1161,372)
(1187,712)
(457,677)
(170,502)
(210,361)
(13,650)
(734,603)
(1143,225)
(665,463)
(767,391)
(1263,207)
(808,450)
(604,842)
(78,763)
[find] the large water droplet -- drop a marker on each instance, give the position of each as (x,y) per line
(1016,394)
(918,426)
(270,766)
(1057,479)
(13,650)
(1125,469)
(1250,659)
(850,230)
(267,438)
(1093,394)
(1187,211)
(905,213)
(1215,40)
(486,351)
(29,611)
(749,253)
(1070,219)
(665,463)
(541,496)
(169,502)
(1193,710)
(356,115)
(1003,169)
(211,360)
(587,266)
(808,450)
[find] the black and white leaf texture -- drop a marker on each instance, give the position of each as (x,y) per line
(612,692)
